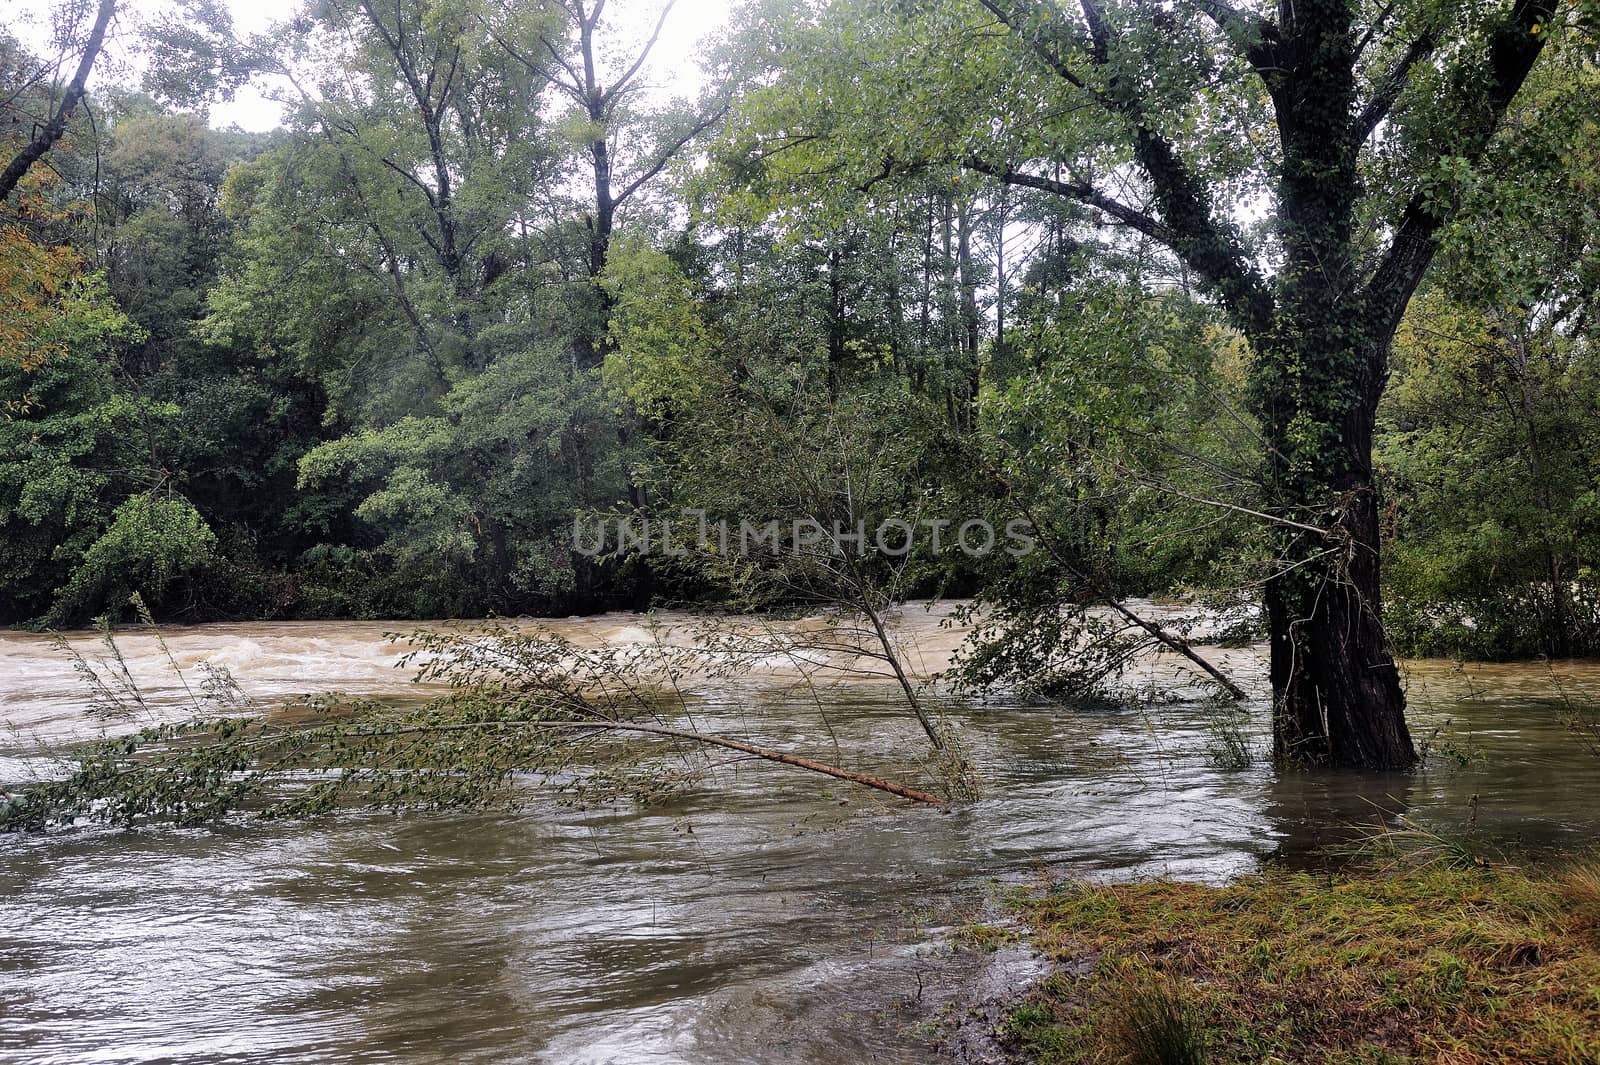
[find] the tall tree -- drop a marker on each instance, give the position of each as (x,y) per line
(1152,115)
(604,92)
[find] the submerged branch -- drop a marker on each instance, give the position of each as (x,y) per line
(522,705)
(769,754)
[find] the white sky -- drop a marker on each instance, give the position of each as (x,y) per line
(672,66)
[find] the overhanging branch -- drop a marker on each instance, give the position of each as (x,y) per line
(669,152)
(1082,192)
(1513,49)
(1187,223)
(1387,90)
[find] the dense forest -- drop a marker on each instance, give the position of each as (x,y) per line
(1214,302)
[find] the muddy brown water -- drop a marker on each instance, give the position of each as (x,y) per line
(768,917)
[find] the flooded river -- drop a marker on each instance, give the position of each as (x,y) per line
(770,916)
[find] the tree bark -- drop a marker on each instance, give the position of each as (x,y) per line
(1337,699)
(1317,380)
(56,127)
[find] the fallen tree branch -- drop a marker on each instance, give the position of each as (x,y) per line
(1170,640)
(1177,643)
(710,739)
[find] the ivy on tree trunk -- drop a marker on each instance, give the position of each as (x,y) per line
(1320,328)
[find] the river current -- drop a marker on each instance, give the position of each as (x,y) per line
(768,916)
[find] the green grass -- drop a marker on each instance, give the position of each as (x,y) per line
(1149,1021)
(1436,962)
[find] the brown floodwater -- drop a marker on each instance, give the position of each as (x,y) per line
(769,916)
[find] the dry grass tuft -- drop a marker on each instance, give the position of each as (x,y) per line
(1578,888)
(1150,1022)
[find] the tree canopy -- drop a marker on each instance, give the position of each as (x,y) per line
(1285,303)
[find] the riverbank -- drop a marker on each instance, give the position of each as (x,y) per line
(1443,960)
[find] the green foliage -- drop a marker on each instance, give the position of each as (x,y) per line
(473,507)
(525,712)
(1127,418)
(1492,484)
(1489,430)
(151,541)
(76,462)
(661,344)
(1228,740)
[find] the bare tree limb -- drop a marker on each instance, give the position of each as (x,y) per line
(1083,193)
(667,154)
(644,54)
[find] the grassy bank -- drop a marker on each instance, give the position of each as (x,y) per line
(1430,964)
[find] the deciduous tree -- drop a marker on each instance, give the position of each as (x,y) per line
(1348,126)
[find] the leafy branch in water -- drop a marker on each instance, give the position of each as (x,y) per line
(524,708)
(1580,714)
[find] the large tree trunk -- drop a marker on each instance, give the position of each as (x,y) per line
(1337,699)
(1318,376)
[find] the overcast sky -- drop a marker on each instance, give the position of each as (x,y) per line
(673,67)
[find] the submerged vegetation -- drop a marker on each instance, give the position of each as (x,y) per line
(524,713)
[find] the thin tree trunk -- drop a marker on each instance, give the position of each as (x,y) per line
(1000,268)
(593,342)
(836,322)
(971,322)
(892,655)
(56,127)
